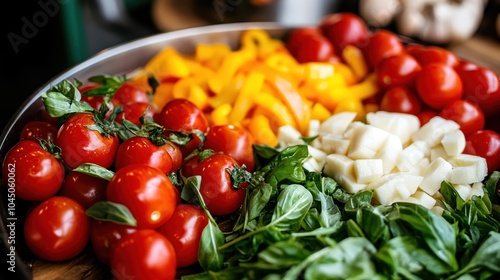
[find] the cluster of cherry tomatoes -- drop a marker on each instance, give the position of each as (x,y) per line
(422,80)
(140,171)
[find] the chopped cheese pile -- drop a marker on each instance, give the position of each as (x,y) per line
(393,155)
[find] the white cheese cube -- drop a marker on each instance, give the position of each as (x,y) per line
(367,170)
(412,154)
(435,173)
(433,131)
(334,144)
(389,152)
(366,140)
(463,190)
(424,199)
(338,165)
(453,142)
(289,136)
(438,151)
(337,123)
(399,124)
(468,169)
(477,189)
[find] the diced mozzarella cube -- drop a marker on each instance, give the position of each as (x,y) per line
(409,199)
(433,131)
(463,190)
(337,164)
(412,154)
(438,151)
(477,189)
(317,154)
(435,173)
(438,210)
(289,136)
(314,131)
(401,185)
(399,124)
(453,142)
(349,184)
(389,152)
(424,199)
(337,123)
(312,165)
(468,169)
(385,194)
(366,140)
(334,144)
(367,170)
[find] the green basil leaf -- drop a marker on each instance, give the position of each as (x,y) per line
(291,208)
(209,256)
(95,170)
(113,212)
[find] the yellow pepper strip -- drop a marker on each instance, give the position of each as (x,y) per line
(230,65)
(219,116)
(229,92)
(274,109)
(260,128)
(163,94)
(206,52)
(319,112)
(198,96)
(355,59)
(168,62)
(314,71)
(365,89)
(182,87)
(351,105)
(245,99)
(345,71)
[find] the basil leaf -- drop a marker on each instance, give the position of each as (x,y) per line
(291,208)
(95,170)
(111,211)
(209,257)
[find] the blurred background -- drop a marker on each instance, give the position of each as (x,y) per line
(43,38)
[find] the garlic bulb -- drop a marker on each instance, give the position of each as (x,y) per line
(379,13)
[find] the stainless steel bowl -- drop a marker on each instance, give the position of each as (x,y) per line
(117,60)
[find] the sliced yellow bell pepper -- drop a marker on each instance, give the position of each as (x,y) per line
(168,62)
(355,59)
(245,99)
(219,116)
(260,128)
(274,109)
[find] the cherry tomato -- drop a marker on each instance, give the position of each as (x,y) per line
(466,113)
(32,171)
(343,29)
(438,85)
(133,112)
(57,229)
(39,130)
(397,70)
(94,101)
(482,86)
(234,141)
(83,188)
(298,35)
(82,144)
(175,154)
(314,49)
(400,99)
(426,115)
(434,54)
(184,231)
(486,144)
(182,115)
(382,44)
(129,93)
(138,149)
(218,190)
(143,254)
(146,191)
(104,235)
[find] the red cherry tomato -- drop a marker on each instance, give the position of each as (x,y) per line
(133,112)
(104,235)
(425,116)
(129,93)
(298,35)
(434,54)
(175,154)
(438,85)
(401,100)
(39,130)
(57,229)
(482,86)
(83,188)
(82,144)
(31,171)
(466,113)
(397,70)
(145,191)
(143,254)
(184,231)
(182,115)
(217,188)
(314,49)
(343,29)
(94,101)
(234,141)
(486,144)
(382,44)
(138,149)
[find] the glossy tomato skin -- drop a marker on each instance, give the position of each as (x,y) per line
(438,85)
(94,101)
(146,191)
(39,130)
(425,115)
(400,99)
(33,172)
(216,186)
(143,254)
(434,54)
(184,231)
(314,49)
(138,149)
(485,143)
(343,29)
(482,86)
(104,235)
(466,113)
(83,188)
(397,70)
(57,229)
(298,35)
(133,112)
(234,141)
(382,44)
(175,154)
(81,144)
(182,115)
(129,93)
